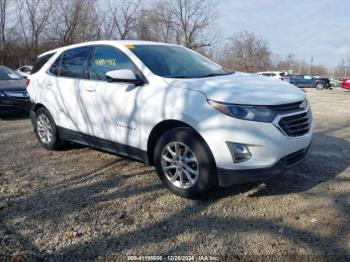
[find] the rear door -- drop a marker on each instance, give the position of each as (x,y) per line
(67,75)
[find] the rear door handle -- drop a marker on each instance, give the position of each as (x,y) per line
(49,84)
(90,89)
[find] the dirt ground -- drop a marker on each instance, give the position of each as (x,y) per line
(82,204)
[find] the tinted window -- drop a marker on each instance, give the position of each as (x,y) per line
(40,62)
(55,68)
(26,69)
(74,62)
(107,58)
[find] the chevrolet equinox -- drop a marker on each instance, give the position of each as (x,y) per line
(199,124)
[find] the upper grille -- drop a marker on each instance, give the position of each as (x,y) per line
(296,125)
(288,107)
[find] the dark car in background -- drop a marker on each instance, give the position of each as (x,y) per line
(307,81)
(13,92)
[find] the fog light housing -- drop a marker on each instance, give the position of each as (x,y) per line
(239,152)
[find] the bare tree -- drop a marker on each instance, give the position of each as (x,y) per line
(121,18)
(155,24)
(33,16)
(191,20)
(4,5)
(71,19)
(246,52)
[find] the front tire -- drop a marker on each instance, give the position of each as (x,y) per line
(184,163)
(320,86)
(46,130)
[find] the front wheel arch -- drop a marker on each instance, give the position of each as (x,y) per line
(162,128)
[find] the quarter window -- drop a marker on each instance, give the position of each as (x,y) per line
(55,68)
(108,58)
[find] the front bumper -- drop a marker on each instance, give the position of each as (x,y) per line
(10,102)
(229,177)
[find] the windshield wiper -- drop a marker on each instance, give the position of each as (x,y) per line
(203,76)
(218,74)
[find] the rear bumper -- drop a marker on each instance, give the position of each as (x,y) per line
(229,177)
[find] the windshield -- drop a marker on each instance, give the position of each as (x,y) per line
(176,62)
(7,74)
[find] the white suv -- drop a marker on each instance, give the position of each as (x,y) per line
(275,75)
(170,107)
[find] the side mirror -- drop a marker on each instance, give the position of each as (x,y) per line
(124,76)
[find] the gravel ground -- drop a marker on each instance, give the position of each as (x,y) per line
(82,204)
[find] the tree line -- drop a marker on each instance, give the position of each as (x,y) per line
(30,27)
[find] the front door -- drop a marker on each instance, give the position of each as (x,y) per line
(113,108)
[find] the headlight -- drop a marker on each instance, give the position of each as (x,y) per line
(2,94)
(252,113)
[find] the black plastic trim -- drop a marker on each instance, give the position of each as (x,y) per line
(229,177)
(103,144)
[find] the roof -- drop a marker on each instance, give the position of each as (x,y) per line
(114,42)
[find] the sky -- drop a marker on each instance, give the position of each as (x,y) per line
(305,28)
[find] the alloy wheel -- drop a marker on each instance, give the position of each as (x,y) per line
(44,129)
(179,165)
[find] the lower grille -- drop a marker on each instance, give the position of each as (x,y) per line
(295,157)
(296,125)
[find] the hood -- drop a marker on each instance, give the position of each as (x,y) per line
(243,88)
(12,85)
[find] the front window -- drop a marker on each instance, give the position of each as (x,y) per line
(7,74)
(176,62)
(107,58)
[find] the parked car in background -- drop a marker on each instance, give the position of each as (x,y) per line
(325,80)
(24,71)
(170,107)
(307,81)
(13,92)
(336,82)
(274,74)
(346,83)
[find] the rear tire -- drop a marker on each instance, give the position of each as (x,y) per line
(46,130)
(320,86)
(184,163)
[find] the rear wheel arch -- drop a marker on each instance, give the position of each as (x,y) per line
(37,106)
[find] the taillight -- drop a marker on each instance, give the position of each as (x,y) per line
(27,82)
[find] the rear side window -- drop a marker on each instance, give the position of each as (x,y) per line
(108,58)
(74,63)
(40,62)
